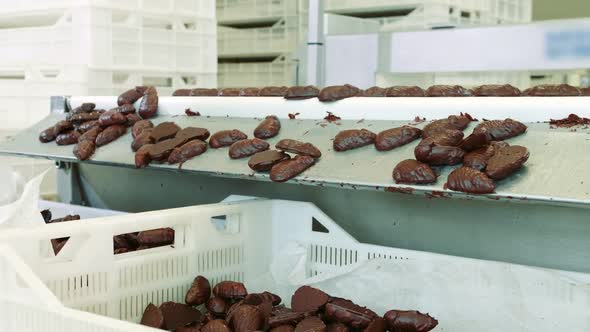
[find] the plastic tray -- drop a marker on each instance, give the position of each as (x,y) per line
(279,72)
(227,241)
(252,11)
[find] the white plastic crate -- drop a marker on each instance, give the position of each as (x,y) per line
(258,74)
(249,11)
(521,80)
(228,241)
(283,37)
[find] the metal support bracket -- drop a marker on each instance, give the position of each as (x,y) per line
(69,182)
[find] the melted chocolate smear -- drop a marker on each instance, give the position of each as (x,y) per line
(331,117)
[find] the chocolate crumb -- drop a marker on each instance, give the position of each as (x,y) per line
(188,112)
(293,115)
(331,117)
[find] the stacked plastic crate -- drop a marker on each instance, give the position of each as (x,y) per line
(257,41)
(100,47)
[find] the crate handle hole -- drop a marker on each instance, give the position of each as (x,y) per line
(226,223)
(316,226)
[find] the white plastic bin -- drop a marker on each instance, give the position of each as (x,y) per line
(227,241)
(244,74)
(250,11)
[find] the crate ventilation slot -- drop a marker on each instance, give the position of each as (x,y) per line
(316,226)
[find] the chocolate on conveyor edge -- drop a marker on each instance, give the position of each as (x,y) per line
(229,92)
(86,126)
(110,134)
(226,138)
(164,131)
(570,121)
(68,138)
(84,108)
(84,149)
(247,147)
(181,93)
(506,161)
(268,128)
(265,160)
(273,91)
(152,317)
(289,169)
(447,137)
(458,122)
(83,117)
(496,90)
(199,292)
(447,91)
(352,139)
(470,180)
(552,90)
(51,133)
(129,97)
(144,138)
(478,158)
(139,126)
(178,315)
(111,117)
(230,290)
(161,150)
(373,92)
(302,92)
(192,133)
(187,151)
(142,156)
(404,91)
(475,141)
(433,154)
(249,92)
(390,139)
(202,92)
(311,324)
(499,130)
(308,299)
(348,313)
(297,147)
(411,171)
(148,107)
(402,321)
(338,92)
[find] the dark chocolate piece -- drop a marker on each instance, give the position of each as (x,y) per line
(216,325)
(552,90)
(187,151)
(83,117)
(273,91)
(457,122)
(152,317)
(142,156)
(129,97)
(352,139)
(585,91)
(217,306)
(204,92)
(156,237)
(284,328)
(411,171)
(284,317)
(139,126)
(311,324)
(111,117)
(84,108)
(338,92)
(496,90)
(192,133)
(51,133)
(404,91)
(346,312)
(297,147)
(433,154)
(67,218)
(110,134)
(373,92)
(164,131)
(409,321)
(447,91)
(288,169)
(181,93)
(570,121)
(58,244)
(308,299)
(46,214)
(199,292)
(470,180)
(142,89)
(121,251)
(86,126)
(196,328)
(478,159)
(161,150)
(148,107)
(475,141)
(246,318)
(132,119)
(84,149)
(337,327)
(229,92)
(447,137)
(265,160)
(499,130)
(376,325)
(249,92)
(395,137)
(124,109)
(268,128)
(68,138)
(506,161)
(302,92)
(230,290)
(178,315)
(226,138)
(247,147)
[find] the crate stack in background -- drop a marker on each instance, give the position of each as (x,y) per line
(258,41)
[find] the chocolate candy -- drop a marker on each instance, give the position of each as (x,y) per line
(132,119)
(447,137)
(337,327)
(506,161)
(110,134)
(496,90)
(68,138)
(433,154)
(164,131)
(247,147)
(124,109)
(51,133)
(551,90)
(346,312)
(83,117)
(191,133)
(273,91)
(478,159)
(129,97)
(148,107)
(268,128)
(142,89)
(585,91)
(139,126)
(302,92)
(246,318)
(311,324)
(308,299)
(46,214)
(142,156)
(178,315)
(373,92)
(187,151)
(352,139)
(152,317)
(297,147)
(447,91)
(199,292)
(229,92)
(230,290)
(84,149)
(452,122)
(58,244)
(69,217)
(84,108)
(404,91)
(499,130)
(162,150)
(570,121)
(409,321)
(181,93)
(376,325)
(284,317)
(156,237)
(265,160)
(475,141)
(470,180)
(288,169)
(204,92)
(216,325)
(249,92)
(226,138)
(111,117)
(395,137)
(86,126)
(196,328)
(283,328)
(411,171)
(217,306)
(338,92)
